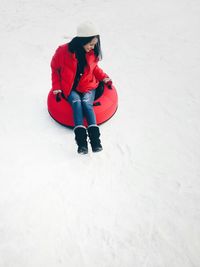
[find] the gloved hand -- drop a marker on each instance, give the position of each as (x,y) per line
(57,93)
(108,82)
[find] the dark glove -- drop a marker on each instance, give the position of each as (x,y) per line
(58,97)
(109,84)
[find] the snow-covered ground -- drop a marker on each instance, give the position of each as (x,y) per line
(137,203)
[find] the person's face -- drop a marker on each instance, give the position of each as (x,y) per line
(89,46)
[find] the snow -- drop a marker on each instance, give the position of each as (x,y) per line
(136,203)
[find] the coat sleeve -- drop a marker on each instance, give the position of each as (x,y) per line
(55,71)
(99,74)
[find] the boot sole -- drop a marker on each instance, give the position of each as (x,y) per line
(82,152)
(97,150)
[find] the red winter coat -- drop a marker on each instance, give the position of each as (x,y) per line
(64,64)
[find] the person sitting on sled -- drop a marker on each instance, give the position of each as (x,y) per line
(76,74)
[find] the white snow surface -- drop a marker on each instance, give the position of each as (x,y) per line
(136,203)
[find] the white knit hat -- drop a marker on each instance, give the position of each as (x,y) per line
(87,29)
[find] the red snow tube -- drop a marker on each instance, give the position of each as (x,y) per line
(105,105)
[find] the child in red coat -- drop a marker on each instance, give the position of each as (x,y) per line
(76,74)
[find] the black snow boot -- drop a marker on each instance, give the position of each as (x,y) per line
(94,134)
(81,139)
